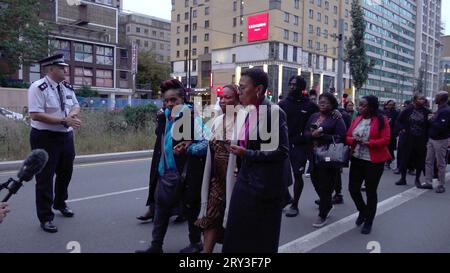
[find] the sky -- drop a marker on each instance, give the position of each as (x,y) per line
(157,8)
(162,8)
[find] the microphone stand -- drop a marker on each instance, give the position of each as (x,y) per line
(13,189)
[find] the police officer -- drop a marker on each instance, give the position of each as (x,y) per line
(54,113)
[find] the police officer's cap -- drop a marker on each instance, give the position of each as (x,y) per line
(57,59)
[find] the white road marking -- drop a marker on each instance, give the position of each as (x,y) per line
(88,165)
(106,195)
(328,233)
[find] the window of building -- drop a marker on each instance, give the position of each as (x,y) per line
(194,39)
(35,72)
(206,10)
(178,42)
(161,46)
(286,34)
(297,4)
(83,76)
(146,44)
(194,52)
(194,26)
(206,37)
(62,47)
(295,37)
(294,57)
(104,55)
(296,20)
(206,51)
(123,75)
(241,37)
(194,65)
(207,24)
(311,14)
(286,17)
(146,31)
(104,78)
(83,53)
(138,30)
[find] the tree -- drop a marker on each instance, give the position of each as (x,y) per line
(23,36)
(86,91)
(151,72)
(360,64)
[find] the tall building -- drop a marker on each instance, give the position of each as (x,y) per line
(149,33)
(284,38)
(445,64)
(87,34)
(428,44)
(390,40)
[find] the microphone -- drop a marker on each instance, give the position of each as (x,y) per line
(32,165)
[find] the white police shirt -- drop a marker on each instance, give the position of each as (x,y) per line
(43,97)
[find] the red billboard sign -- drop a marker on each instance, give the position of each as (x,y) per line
(258,27)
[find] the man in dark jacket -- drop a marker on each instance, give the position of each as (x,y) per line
(438,133)
(254,217)
(298,109)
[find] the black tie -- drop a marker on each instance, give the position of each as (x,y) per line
(61,98)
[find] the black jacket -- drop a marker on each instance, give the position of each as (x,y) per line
(194,169)
(266,172)
(404,122)
(298,110)
(440,125)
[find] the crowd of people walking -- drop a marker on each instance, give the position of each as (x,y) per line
(232,183)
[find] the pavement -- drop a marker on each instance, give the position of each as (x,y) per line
(107,197)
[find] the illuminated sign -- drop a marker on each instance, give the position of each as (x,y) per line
(258,27)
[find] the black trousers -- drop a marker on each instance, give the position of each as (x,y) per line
(164,210)
(370,173)
(61,152)
(324,181)
(413,153)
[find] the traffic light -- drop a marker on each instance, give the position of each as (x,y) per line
(219,90)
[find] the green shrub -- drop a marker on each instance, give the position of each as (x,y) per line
(139,117)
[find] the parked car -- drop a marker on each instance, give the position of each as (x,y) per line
(9,114)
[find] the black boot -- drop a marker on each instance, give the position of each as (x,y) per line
(401,182)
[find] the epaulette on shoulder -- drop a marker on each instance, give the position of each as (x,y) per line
(43,86)
(67,85)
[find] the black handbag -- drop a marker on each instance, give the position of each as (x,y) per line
(170,185)
(332,155)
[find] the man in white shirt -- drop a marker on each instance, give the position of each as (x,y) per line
(54,110)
